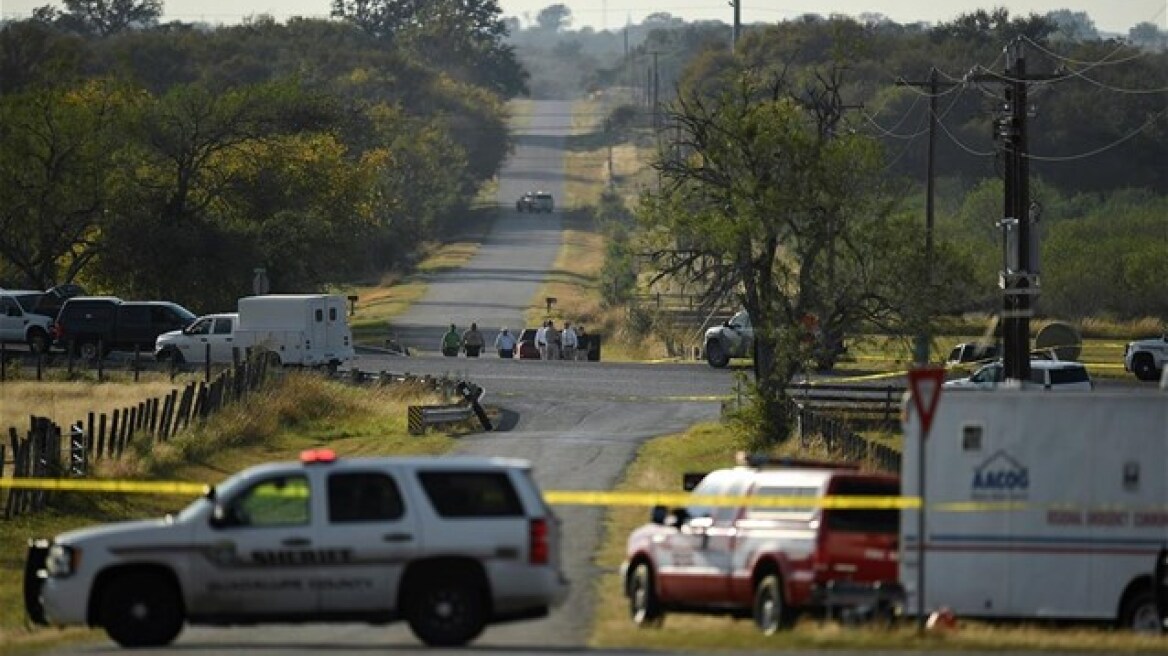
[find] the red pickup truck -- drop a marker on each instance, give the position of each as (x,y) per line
(767,561)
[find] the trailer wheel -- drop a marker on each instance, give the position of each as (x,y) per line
(1139,611)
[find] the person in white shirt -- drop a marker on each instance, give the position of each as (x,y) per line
(541,340)
(568,341)
(505,343)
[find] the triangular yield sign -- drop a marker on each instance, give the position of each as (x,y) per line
(925,385)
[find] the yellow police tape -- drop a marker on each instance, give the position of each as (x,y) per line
(555,497)
(597,497)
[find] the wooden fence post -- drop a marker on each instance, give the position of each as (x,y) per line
(102,447)
(115,443)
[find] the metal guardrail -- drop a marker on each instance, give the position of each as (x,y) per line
(421,416)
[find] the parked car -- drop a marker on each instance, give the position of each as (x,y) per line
(449,544)
(1047,374)
(525,348)
(769,561)
(92,326)
(20,323)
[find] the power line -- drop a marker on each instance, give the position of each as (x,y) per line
(1092,153)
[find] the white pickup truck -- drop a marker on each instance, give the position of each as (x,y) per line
(292,329)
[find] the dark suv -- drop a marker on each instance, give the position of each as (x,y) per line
(92,326)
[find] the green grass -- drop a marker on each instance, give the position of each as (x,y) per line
(659,466)
(302,411)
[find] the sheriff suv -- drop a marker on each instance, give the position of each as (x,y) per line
(449,544)
(773,556)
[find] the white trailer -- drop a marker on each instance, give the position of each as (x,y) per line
(307,330)
(300,329)
(1039,505)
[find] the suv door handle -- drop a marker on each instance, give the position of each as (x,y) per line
(296,542)
(397,537)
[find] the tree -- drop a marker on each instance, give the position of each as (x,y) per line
(104,18)
(1072,25)
(763,198)
(462,37)
(1147,35)
(55,160)
(553,18)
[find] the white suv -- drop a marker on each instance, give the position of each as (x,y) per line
(450,544)
(1047,374)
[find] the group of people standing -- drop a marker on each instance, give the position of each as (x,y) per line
(556,344)
(470,341)
(552,343)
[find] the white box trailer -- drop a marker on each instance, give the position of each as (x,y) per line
(1040,505)
(301,329)
(307,330)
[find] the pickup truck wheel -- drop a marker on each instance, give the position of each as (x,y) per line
(171,355)
(447,612)
(139,610)
(1139,612)
(1144,368)
(38,341)
(88,351)
(771,614)
(644,607)
(716,355)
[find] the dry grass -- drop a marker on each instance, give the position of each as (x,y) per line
(68,402)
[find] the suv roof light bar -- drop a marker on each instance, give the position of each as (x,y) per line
(317,456)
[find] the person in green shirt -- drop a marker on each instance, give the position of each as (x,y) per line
(451,342)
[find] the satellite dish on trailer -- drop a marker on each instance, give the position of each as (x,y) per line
(1061,338)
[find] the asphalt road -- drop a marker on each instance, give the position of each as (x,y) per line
(498,284)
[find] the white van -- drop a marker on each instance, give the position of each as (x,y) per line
(308,330)
(1039,505)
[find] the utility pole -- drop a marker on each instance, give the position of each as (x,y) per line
(655,87)
(1019,277)
(924,337)
(737,29)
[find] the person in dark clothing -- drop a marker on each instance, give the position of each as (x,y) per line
(472,341)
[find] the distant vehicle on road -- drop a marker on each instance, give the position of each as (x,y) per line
(535,201)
